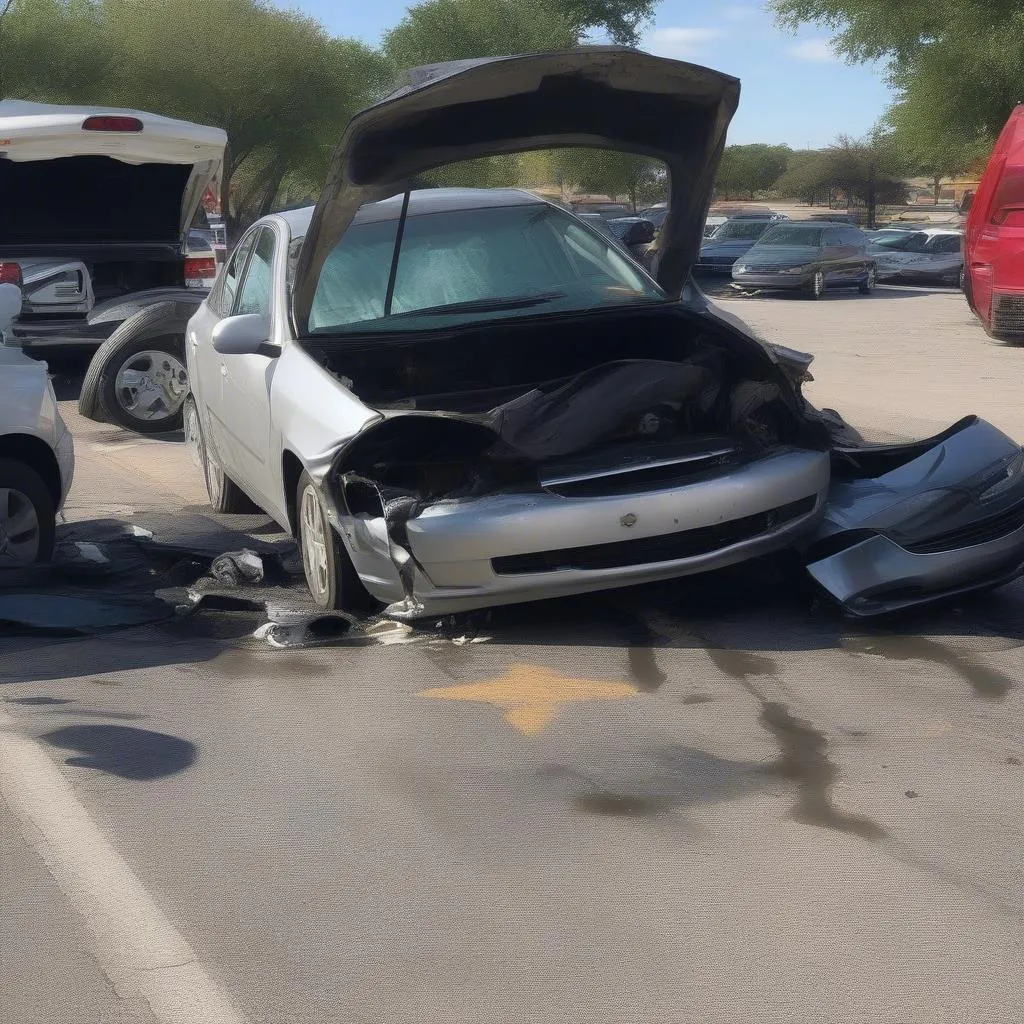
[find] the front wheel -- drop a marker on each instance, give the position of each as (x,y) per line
(331,577)
(816,288)
(867,286)
(27,515)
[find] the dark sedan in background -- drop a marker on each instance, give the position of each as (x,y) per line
(731,241)
(811,256)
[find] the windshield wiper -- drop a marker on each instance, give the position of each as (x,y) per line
(483,305)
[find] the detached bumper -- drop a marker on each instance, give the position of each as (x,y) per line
(877,576)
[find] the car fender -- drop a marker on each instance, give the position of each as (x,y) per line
(120,309)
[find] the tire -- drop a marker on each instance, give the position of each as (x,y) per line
(333,581)
(27,515)
(816,288)
(148,349)
(224,494)
(867,286)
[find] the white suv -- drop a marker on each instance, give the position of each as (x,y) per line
(37,457)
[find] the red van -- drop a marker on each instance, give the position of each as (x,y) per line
(994,237)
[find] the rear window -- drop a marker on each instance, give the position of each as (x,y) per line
(533,259)
(741,230)
(792,234)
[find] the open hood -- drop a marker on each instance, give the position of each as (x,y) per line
(87,175)
(604,97)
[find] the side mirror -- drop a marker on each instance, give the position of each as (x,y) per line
(10,305)
(244,335)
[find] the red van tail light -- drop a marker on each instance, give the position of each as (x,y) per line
(110,123)
(200,271)
(10,273)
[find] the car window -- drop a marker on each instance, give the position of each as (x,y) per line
(225,296)
(854,236)
(944,244)
(792,235)
(504,261)
(741,230)
(254,296)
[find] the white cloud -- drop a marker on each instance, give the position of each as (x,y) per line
(740,13)
(817,50)
(680,42)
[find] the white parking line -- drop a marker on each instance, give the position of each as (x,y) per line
(137,947)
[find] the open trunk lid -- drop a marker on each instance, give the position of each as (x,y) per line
(73,176)
(603,97)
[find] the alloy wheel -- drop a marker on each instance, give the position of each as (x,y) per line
(314,545)
(20,530)
(151,385)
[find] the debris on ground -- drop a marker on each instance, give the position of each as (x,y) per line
(234,568)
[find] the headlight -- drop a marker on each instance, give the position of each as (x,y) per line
(739,268)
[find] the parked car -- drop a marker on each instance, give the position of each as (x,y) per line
(712,223)
(37,455)
(808,255)
(460,398)
(635,233)
(606,210)
(655,214)
(934,256)
(994,237)
(727,244)
(96,207)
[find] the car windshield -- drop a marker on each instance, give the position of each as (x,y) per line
(792,235)
(740,230)
(914,241)
(458,266)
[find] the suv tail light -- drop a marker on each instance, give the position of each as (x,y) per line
(110,123)
(200,271)
(10,273)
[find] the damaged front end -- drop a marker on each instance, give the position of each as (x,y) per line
(622,472)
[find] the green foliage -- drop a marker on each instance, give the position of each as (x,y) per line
(609,173)
(957,67)
(746,170)
(866,171)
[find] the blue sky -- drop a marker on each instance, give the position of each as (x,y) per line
(794,89)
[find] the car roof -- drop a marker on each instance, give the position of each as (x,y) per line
(422,202)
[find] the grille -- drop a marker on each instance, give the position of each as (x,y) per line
(978,532)
(1008,313)
(766,268)
(666,548)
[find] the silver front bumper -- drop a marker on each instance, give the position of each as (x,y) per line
(507,548)
(773,280)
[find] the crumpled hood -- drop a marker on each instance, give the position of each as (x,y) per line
(601,97)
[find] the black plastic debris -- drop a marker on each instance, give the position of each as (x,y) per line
(235,568)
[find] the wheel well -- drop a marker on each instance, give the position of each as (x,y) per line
(292,470)
(37,454)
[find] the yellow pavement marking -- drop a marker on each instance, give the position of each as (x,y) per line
(531,694)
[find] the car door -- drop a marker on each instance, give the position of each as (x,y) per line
(855,249)
(204,364)
(832,256)
(246,379)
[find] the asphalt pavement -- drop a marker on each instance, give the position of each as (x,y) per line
(715,800)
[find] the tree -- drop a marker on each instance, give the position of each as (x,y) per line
(865,171)
(808,177)
(750,169)
(443,30)
(957,68)
(276,81)
(611,173)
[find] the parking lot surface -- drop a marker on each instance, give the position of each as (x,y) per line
(710,801)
